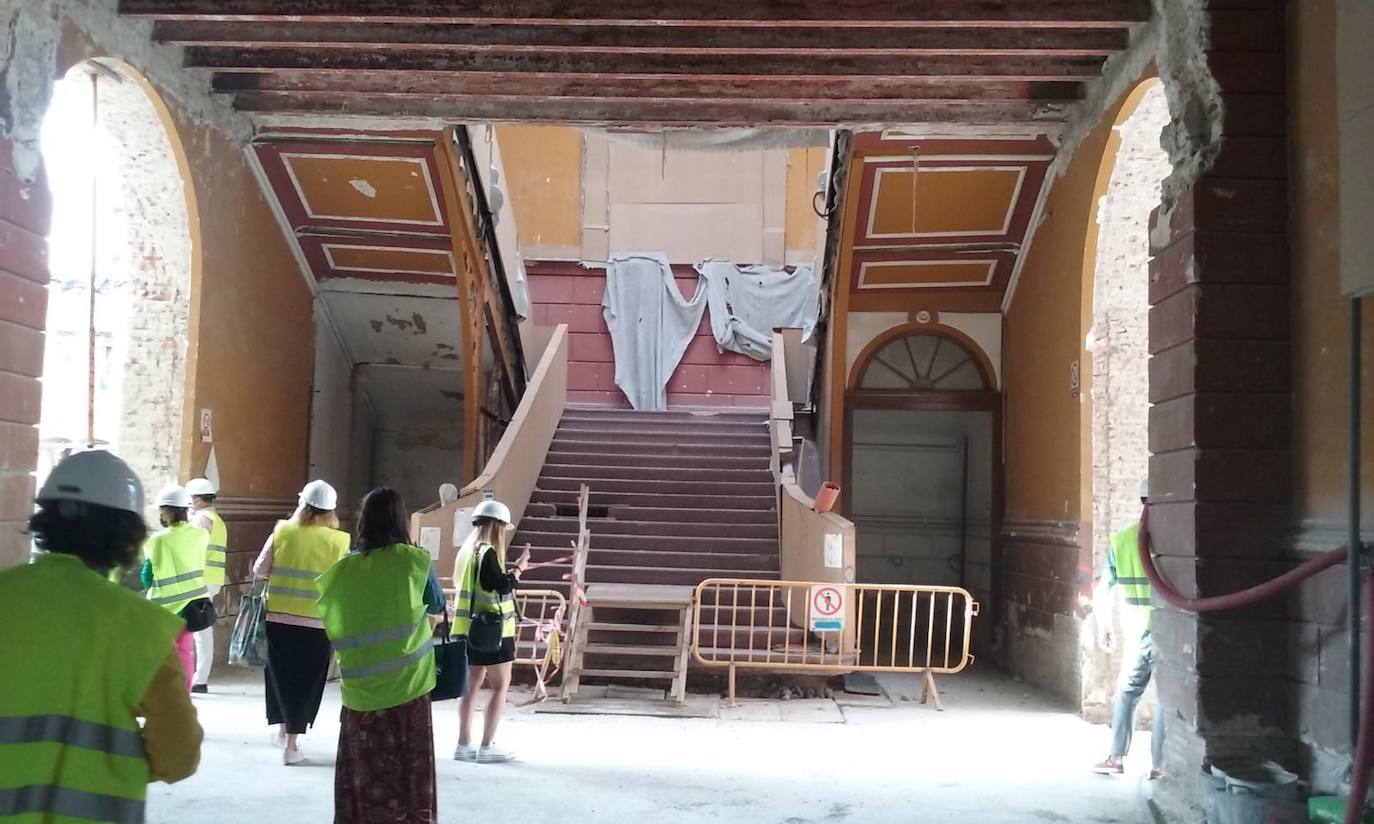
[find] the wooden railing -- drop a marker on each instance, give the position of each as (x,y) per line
(511,472)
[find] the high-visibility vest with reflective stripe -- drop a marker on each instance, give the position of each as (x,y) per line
(470,594)
(178,556)
(300,554)
(216,555)
(70,747)
(1130,573)
(373,608)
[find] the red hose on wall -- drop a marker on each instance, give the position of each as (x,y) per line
(1364,747)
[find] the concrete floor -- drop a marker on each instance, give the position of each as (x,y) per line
(999,753)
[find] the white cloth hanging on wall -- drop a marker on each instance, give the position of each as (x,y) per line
(651,325)
(748,303)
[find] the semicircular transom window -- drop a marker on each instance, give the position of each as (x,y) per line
(923,363)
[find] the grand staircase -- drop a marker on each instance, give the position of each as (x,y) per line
(675,498)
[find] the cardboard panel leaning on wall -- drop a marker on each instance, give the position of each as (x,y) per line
(543,168)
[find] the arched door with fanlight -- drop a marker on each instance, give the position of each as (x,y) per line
(922,424)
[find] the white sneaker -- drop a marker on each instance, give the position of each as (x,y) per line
(463,752)
(278,738)
(292,757)
(494,755)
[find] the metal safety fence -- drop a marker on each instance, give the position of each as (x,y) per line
(810,627)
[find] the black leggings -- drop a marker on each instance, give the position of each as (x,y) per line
(297,666)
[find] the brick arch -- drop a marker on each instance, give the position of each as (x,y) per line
(147,235)
(914,328)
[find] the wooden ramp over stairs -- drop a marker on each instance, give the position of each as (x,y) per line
(633,600)
(676,498)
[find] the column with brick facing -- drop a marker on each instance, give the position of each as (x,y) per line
(24,215)
(1221,414)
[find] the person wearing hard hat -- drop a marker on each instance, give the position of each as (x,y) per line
(484,612)
(297,552)
(174,570)
(1126,574)
(204,516)
(72,689)
(374,604)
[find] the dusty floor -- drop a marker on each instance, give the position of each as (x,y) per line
(999,753)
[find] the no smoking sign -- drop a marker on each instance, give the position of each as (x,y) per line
(827,608)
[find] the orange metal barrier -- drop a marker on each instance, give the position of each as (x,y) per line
(816,627)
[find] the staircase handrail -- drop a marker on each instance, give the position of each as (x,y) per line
(514,466)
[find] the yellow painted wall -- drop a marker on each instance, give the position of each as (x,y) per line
(252,330)
(543,168)
(804,166)
(1320,346)
(1046,434)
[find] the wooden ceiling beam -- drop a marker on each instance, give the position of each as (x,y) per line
(1021,67)
(738,87)
(1010,13)
(1064,41)
(651,111)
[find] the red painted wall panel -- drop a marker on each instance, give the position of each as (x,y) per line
(568,293)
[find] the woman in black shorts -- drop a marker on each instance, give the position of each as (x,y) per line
(484,586)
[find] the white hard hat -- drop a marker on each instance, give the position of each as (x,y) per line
(174,495)
(1145,489)
(320,495)
(492,509)
(94,477)
(200,486)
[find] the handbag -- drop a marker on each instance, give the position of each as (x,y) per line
(450,665)
(484,628)
(198,614)
(248,645)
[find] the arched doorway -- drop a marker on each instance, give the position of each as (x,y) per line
(120,261)
(922,441)
(1118,345)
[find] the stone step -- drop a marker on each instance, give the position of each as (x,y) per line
(672,514)
(585,443)
(741,564)
(669,485)
(599,471)
(753,503)
(653,542)
(626,574)
(628,673)
(704,418)
(668,430)
(567,527)
(628,649)
(657,461)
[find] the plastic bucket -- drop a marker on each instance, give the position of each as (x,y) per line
(1252,792)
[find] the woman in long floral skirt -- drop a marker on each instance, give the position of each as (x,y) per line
(375,603)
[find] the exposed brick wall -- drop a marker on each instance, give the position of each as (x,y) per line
(24,215)
(1119,346)
(1221,420)
(568,293)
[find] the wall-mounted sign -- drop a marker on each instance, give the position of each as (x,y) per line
(827,608)
(207,434)
(834,551)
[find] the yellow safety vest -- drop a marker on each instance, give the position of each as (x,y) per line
(70,747)
(374,613)
(216,556)
(300,554)
(470,594)
(1130,573)
(178,556)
